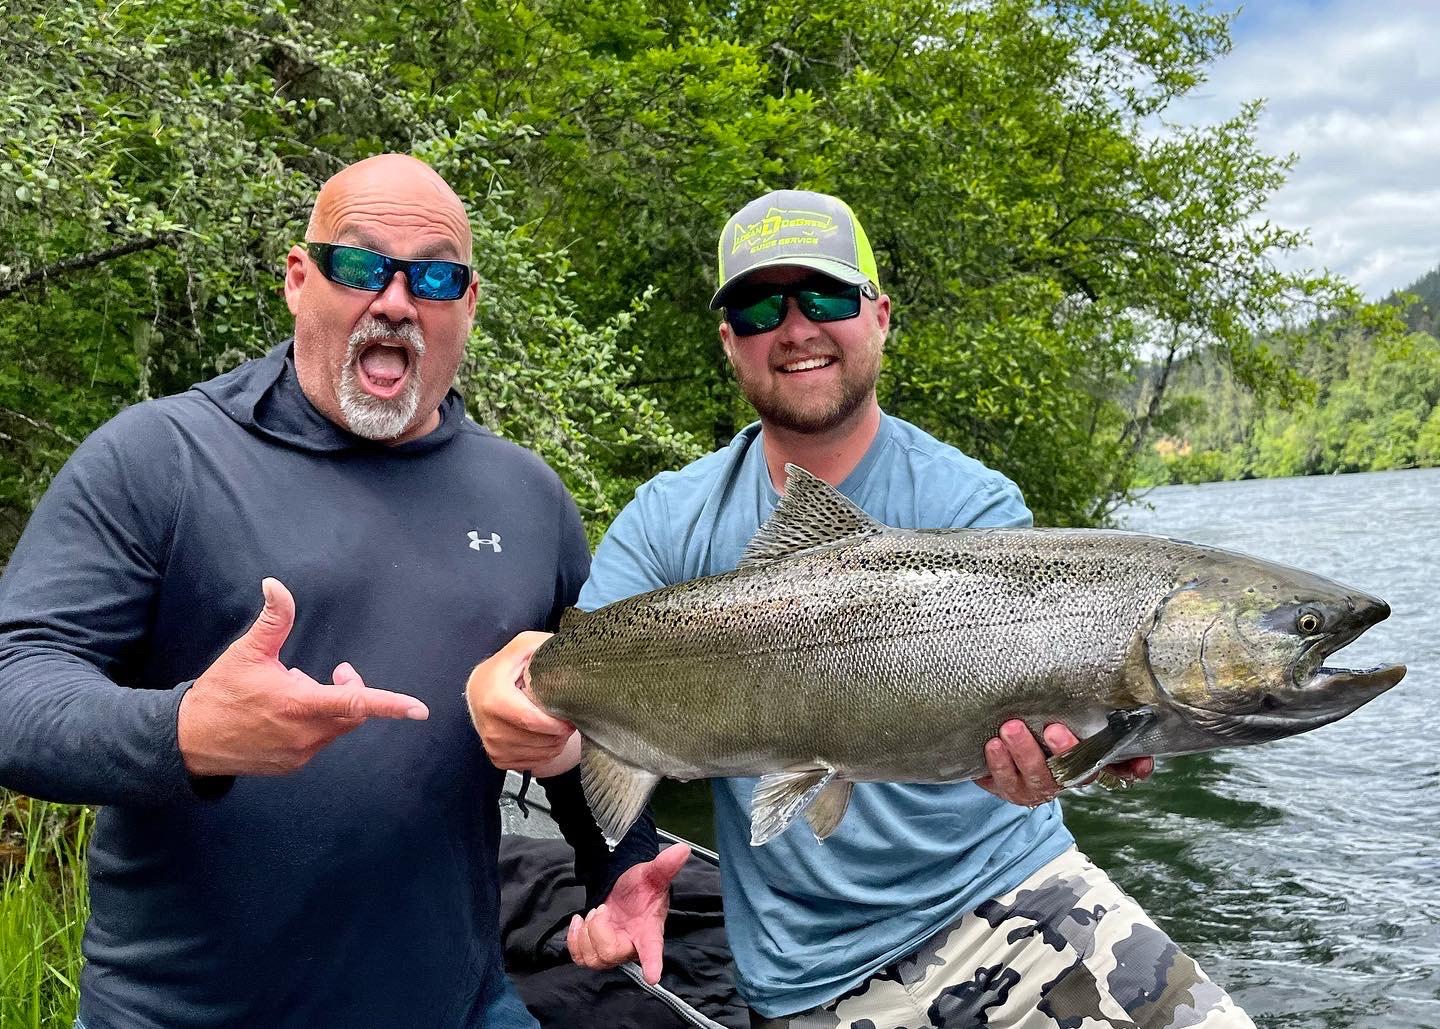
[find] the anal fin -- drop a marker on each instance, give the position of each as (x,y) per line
(616,790)
(781,796)
(828,807)
(1093,753)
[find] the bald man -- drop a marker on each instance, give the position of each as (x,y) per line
(298,824)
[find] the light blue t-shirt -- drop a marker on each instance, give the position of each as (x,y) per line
(808,920)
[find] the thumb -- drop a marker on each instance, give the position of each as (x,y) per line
(667,865)
(265,638)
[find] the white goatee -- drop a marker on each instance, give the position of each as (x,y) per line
(364,413)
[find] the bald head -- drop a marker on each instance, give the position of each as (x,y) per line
(398,191)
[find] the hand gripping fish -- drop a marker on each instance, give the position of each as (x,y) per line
(842,650)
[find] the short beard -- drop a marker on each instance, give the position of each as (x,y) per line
(365,414)
(857,386)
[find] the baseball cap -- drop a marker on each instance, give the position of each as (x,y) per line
(795,227)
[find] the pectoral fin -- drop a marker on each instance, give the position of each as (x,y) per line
(780,796)
(1090,755)
(615,790)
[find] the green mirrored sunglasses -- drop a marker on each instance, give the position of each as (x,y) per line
(760,310)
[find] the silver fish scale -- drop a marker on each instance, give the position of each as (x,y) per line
(863,655)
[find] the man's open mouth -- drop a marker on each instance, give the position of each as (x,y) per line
(383,368)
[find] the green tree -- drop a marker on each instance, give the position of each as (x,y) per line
(1427,440)
(1368,396)
(160,160)
(1036,237)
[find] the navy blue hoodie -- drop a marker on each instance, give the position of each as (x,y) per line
(360,890)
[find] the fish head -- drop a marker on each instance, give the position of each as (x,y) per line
(1239,650)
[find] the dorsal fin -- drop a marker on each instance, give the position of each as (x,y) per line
(571,617)
(811,514)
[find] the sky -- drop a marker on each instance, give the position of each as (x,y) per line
(1353,90)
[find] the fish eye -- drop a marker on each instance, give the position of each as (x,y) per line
(1308,621)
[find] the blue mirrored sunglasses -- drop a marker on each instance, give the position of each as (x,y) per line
(364,269)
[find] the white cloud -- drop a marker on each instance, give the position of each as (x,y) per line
(1353,90)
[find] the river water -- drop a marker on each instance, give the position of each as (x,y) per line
(1304,875)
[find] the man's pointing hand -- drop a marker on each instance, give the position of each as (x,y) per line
(247,714)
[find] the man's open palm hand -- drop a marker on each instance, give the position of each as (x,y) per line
(247,714)
(630,925)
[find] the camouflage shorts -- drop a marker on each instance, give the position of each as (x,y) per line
(1067,949)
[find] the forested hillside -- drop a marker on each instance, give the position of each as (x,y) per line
(1360,401)
(1422,314)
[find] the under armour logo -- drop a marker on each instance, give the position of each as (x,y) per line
(476,542)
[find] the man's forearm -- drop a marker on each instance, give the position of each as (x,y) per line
(596,865)
(69,734)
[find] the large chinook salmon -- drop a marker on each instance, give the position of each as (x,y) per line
(842,650)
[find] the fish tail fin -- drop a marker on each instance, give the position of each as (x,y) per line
(781,796)
(616,790)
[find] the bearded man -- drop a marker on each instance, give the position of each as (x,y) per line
(930,905)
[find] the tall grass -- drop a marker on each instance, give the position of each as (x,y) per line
(43,905)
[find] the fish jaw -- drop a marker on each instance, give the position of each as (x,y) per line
(1330,695)
(1319,694)
(1333,693)
(1239,649)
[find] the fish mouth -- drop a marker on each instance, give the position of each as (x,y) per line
(1332,691)
(1328,695)
(1310,673)
(1372,681)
